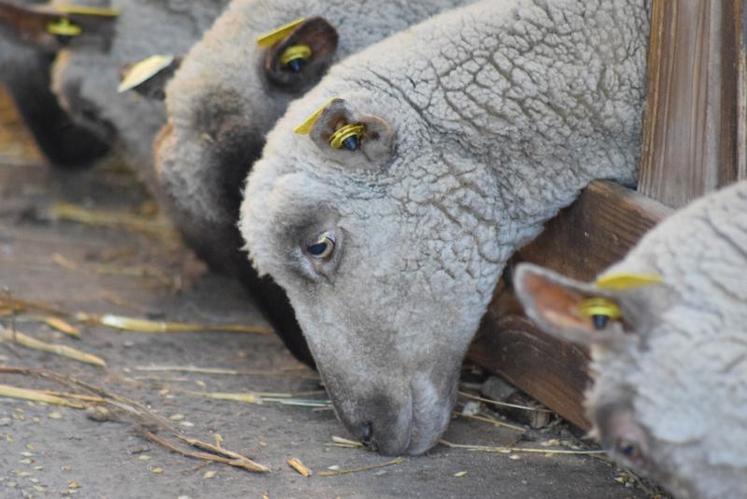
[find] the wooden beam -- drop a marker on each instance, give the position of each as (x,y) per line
(694,127)
(596,231)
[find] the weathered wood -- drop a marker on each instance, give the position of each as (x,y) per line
(694,127)
(596,231)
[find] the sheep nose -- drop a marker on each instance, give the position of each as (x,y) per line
(366,434)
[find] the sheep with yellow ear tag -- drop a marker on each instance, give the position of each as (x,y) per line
(88,78)
(228,93)
(669,396)
(30,34)
(425,161)
(237,81)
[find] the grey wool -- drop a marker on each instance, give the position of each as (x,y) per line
(669,397)
(479,125)
(86,78)
(223,100)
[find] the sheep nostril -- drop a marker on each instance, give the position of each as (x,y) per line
(366,433)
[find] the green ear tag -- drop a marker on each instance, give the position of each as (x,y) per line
(623,281)
(143,71)
(279,34)
(305,127)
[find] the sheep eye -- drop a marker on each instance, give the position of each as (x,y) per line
(628,449)
(323,247)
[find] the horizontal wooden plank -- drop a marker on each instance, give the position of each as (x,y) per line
(596,231)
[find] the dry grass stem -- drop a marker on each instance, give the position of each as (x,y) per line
(228,372)
(399,460)
(60,325)
(17,305)
(129,410)
(301,468)
(140,271)
(503,404)
(101,218)
(134,325)
(239,462)
(509,450)
(346,441)
(61,350)
(495,422)
(37,396)
(260,398)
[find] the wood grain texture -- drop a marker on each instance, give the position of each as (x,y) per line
(693,140)
(596,231)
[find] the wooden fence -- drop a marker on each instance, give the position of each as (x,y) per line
(694,141)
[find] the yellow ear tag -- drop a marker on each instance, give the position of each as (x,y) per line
(143,71)
(600,306)
(295,52)
(279,34)
(305,127)
(83,10)
(64,27)
(621,281)
(337,140)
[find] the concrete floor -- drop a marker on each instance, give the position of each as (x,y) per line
(48,451)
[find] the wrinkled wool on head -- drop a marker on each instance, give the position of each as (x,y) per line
(500,112)
(221,105)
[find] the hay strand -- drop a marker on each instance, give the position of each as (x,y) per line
(393,462)
(61,350)
(37,396)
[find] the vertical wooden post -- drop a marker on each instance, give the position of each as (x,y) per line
(694,127)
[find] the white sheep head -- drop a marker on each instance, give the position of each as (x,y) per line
(387,285)
(668,398)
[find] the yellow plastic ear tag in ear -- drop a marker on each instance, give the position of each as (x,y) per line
(83,10)
(294,53)
(621,281)
(279,34)
(305,127)
(348,136)
(63,27)
(600,311)
(143,71)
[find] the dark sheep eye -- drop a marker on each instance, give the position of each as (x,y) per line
(323,247)
(628,449)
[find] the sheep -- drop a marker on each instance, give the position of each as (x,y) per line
(26,56)
(86,79)
(430,158)
(229,91)
(670,378)
(227,94)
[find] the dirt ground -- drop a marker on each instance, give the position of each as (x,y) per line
(52,451)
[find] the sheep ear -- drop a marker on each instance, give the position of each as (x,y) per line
(554,302)
(149,76)
(350,137)
(302,55)
(52,27)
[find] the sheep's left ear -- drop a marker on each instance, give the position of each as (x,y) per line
(302,54)
(553,302)
(149,76)
(349,136)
